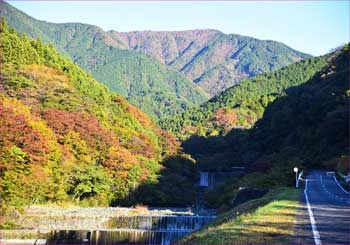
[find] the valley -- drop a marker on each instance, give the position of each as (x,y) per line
(168,137)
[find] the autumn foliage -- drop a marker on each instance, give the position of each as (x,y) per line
(64,137)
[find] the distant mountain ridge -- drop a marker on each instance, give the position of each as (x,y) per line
(145,82)
(162,73)
(210,58)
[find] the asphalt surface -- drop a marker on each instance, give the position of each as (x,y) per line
(323,216)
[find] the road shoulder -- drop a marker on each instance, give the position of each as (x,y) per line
(302,233)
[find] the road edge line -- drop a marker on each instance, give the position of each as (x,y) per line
(315,232)
(336,181)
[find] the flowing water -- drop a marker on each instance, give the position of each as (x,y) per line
(168,223)
(134,230)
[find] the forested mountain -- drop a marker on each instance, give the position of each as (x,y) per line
(141,65)
(242,105)
(210,58)
(306,127)
(64,137)
(142,80)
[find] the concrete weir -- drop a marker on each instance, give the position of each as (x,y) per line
(115,226)
(134,230)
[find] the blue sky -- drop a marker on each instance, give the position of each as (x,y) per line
(314,27)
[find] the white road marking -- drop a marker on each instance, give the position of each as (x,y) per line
(331,194)
(315,232)
(336,181)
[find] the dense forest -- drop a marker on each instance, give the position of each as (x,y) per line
(241,105)
(72,140)
(66,138)
(213,60)
(306,127)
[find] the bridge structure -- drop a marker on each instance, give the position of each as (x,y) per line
(210,179)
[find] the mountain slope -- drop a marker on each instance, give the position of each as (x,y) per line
(312,117)
(64,137)
(210,58)
(145,82)
(242,105)
(306,126)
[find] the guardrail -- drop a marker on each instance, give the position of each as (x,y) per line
(345,177)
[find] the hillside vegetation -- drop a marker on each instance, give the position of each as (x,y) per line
(213,60)
(162,73)
(242,105)
(142,80)
(65,138)
(306,127)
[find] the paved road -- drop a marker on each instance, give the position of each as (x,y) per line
(324,214)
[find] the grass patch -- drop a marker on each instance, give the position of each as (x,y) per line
(268,219)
